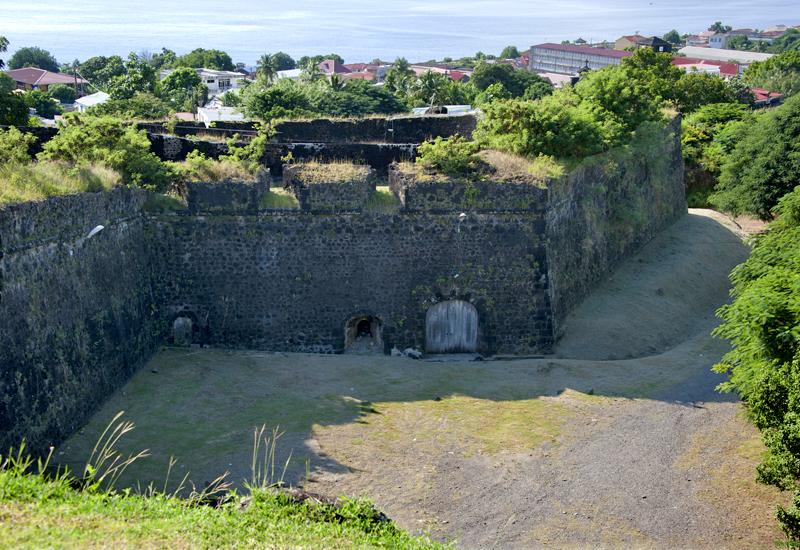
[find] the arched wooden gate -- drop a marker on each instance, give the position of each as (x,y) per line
(451,327)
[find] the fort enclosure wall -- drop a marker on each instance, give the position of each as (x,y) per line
(78,313)
(439,266)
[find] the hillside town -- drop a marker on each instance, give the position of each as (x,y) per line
(720,51)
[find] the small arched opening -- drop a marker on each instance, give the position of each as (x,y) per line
(363,335)
(186,329)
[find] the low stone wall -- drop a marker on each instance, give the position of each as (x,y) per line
(417,194)
(331,195)
(78,313)
(378,156)
(608,208)
(230,197)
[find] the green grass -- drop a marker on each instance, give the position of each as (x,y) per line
(279,199)
(335,171)
(41,511)
(45,179)
(383,200)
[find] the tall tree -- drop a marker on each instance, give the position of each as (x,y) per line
(719,27)
(267,67)
(3,48)
(673,37)
(33,57)
(509,52)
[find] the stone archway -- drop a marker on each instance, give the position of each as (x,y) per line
(451,327)
(363,334)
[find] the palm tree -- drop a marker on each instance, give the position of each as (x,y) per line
(336,83)
(265,67)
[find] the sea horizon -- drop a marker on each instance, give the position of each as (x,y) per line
(356,29)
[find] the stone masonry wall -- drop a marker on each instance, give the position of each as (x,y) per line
(291,281)
(607,209)
(78,315)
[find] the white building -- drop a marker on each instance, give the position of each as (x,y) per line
(217,82)
(85,102)
(717,54)
(207,115)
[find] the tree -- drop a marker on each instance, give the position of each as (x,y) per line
(283,61)
(33,57)
(267,67)
(780,73)
(141,106)
(43,103)
(509,52)
(209,59)
(13,111)
(515,81)
(697,89)
(100,70)
(400,77)
(139,76)
(3,48)
(15,146)
(673,37)
(719,27)
(183,89)
(62,92)
(790,40)
(559,125)
(317,59)
(165,59)
(765,164)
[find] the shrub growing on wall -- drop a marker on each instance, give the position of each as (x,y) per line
(108,141)
(454,155)
(14,146)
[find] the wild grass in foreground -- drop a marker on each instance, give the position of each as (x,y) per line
(40,508)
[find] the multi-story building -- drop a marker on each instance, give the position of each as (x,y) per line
(570,59)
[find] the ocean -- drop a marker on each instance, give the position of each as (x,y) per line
(358,30)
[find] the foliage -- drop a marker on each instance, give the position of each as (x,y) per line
(495,92)
(14,146)
(13,111)
(780,73)
(559,125)
(673,37)
(306,60)
(42,102)
(765,164)
(283,61)
(453,156)
(142,106)
(41,180)
(719,27)
(33,57)
(208,59)
(696,89)
(110,142)
(183,89)
(138,77)
(763,326)
(513,80)
(62,92)
(509,52)
(165,59)
(3,48)
(198,167)
(100,70)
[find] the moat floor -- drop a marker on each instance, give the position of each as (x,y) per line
(618,439)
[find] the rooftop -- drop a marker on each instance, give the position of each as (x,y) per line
(603,52)
(717,54)
(39,77)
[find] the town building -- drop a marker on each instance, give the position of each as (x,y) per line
(744,59)
(635,41)
(32,78)
(721,68)
(570,59)
(217,82)
(82,104)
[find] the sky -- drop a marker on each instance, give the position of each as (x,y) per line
(358,30)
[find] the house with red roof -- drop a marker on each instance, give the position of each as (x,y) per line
(32,78)
(571,59)
(722,68)
(331,66)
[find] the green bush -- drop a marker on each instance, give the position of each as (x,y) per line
(780,73)
(453,156)
(764,166)
(14,146)
(141,106)
(44,105)
(763,326)
(559,125)
(62,92)
(108,141)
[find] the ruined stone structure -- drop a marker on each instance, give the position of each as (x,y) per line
(90,285)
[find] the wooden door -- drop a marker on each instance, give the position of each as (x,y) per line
(451,327)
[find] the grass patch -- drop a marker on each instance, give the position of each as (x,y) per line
(45,179)
(160,203)
(198,167)
(383,200)
(279,199)
(330,172)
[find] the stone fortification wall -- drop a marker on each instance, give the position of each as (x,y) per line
(78,313)
(608,208)
(292,281)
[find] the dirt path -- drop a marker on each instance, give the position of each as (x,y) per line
(618,440)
